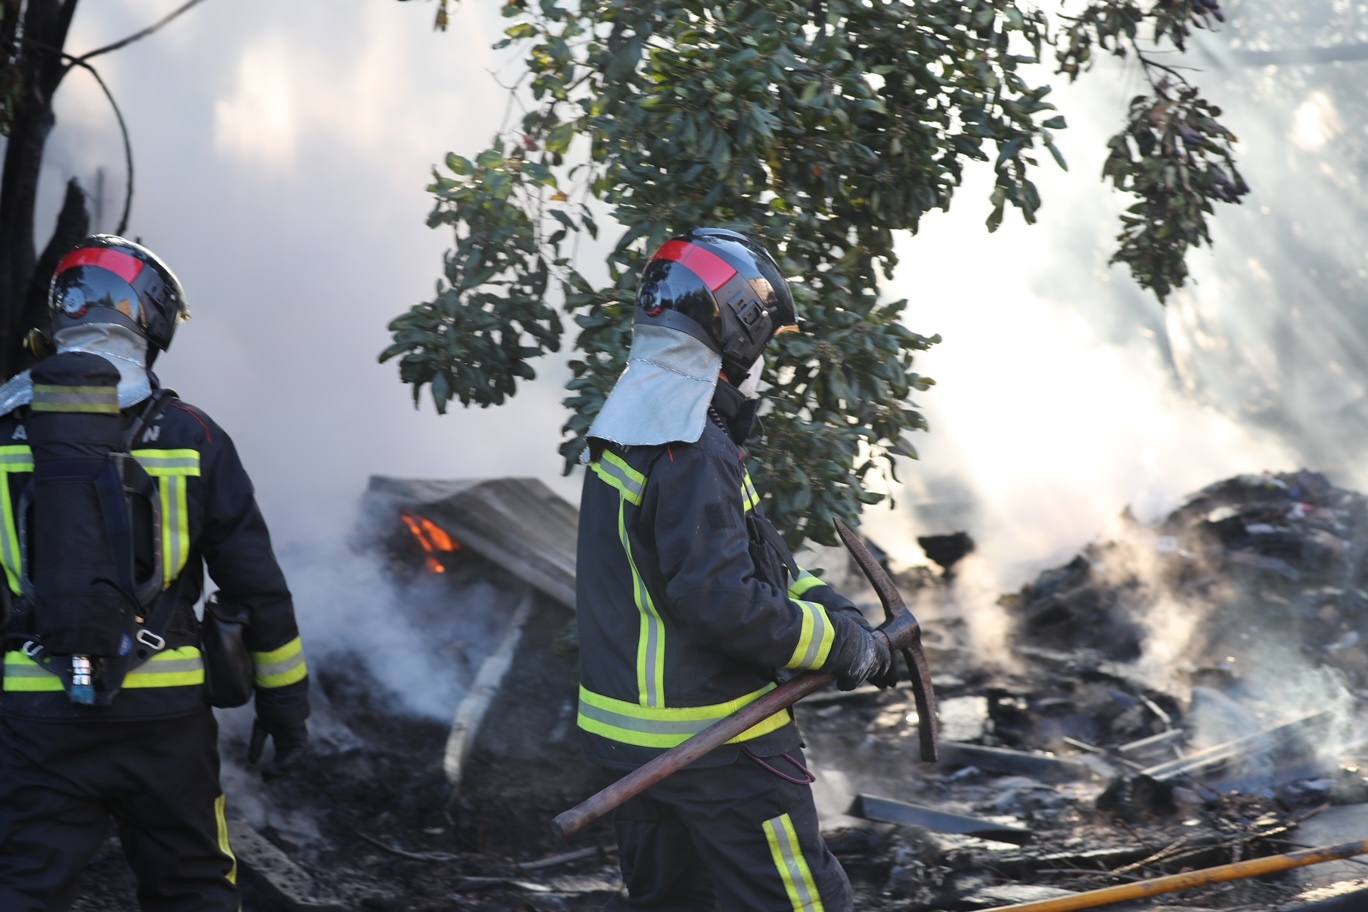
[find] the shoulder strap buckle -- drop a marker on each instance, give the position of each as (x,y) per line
(153,641)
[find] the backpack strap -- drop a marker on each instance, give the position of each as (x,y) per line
(151,634)
(150,410)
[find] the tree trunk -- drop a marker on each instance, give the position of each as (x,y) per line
(44,33)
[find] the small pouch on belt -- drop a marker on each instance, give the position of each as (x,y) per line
(228,671)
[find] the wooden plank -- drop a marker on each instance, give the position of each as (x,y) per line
(887,810)
(1004,760)
(471,711)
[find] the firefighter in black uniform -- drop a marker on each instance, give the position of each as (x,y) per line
(148,759)
(690,605)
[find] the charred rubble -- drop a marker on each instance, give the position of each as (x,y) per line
(1186,695)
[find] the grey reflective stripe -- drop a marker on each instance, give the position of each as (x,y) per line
(791,854)
(651,666)
(167,463)
(26,670)
(644,726)
(168,666)
(172,522)
(653,637)
(77,398)
(153,667)
(819,632)
(277,668)
(630,486)
(14,460)
(9,540)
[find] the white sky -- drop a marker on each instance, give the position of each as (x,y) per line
(281,151)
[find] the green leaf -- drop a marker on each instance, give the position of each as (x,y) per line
(558,140)
(1058,155)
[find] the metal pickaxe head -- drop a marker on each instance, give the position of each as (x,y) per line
(904,636)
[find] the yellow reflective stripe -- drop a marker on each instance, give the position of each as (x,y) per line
(221,822)
(181,667)
(14,460)
(280,653)
(282,666)
(171,468)
(624,467)
(651,636)
(175,526)
(23,675)
(643,726)
(815,637)
(750,498)
(102,400)
(615,471)
(804,584)
(792,866)
(162,463)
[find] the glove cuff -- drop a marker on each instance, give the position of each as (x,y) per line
(281,708)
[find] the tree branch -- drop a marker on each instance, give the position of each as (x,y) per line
(139,35)
(123,130)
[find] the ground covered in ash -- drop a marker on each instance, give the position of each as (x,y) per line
(1187,695)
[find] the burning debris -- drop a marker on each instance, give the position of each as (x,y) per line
(433,539)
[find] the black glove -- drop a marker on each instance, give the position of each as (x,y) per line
(863,655)
(291,744)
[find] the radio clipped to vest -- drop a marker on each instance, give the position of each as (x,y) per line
(89,532)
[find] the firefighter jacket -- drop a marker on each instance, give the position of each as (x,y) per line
(209,517)
(688,609)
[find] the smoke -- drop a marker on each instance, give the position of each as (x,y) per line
(1066,396)
(423,640)
(1211,637)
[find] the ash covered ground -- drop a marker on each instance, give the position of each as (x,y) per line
(1187,695)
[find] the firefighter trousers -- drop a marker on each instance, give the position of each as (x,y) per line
(61,784)
(739,838)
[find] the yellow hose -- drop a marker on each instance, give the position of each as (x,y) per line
(1175,883)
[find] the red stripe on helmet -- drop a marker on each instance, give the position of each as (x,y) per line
(708,266)
(121,264)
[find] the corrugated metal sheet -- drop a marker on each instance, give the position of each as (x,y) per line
(517,523)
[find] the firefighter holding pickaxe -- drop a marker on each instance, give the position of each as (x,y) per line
(691,607)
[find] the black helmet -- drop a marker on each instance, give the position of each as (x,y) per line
(722,287)
(107,279)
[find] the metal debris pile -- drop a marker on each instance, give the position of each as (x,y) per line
(1187,695)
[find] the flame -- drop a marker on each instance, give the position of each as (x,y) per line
(433,538)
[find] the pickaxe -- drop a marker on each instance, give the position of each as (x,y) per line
(901,630)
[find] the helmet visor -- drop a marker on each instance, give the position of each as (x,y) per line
(79,294)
